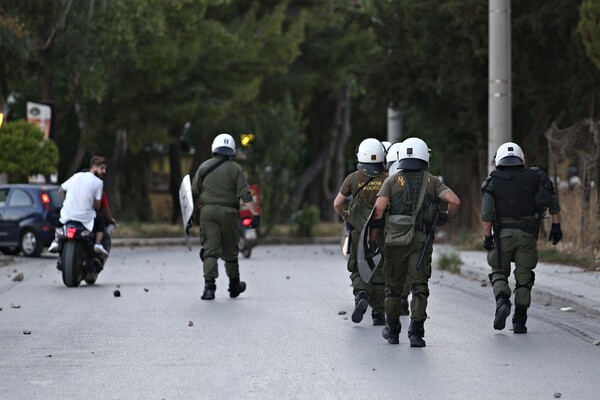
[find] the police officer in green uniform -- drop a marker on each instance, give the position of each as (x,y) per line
(391,159)
(411,197)
(217,187)
(515,199)
(362,186)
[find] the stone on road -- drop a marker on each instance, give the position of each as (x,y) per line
(281,339)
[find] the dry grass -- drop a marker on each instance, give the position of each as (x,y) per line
(161,229)
(581,240)
(581,236)
(147,230)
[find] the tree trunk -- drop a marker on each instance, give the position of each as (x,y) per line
(333,145)
(75,162)
(137,171)
(175,174)
(306,179)
(113,175)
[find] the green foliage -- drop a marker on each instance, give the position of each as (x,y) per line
(551,255)
(450,262)
(589,29)
(304,220)
(24,151)
(276,153)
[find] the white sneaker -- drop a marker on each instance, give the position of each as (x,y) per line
(98,248)
(53,247)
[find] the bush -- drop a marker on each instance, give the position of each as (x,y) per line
(24,151)
(305,220)
(450,262)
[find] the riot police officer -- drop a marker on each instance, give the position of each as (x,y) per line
(515,199)
(362,186)
(413,196)
(391,159)
(217,187)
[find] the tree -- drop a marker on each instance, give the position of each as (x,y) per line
(589,29)
(25,152)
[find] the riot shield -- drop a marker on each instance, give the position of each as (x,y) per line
(187,207)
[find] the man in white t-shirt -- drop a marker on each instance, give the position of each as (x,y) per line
(83,193)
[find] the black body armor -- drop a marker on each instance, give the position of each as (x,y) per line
(514,192)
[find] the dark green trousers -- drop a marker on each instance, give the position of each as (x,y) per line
(519,247)
(219,235)
(376,286)
(399,267)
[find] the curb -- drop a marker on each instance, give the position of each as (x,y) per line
(550,296)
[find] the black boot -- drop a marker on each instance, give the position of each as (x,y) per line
(392,329)
(502,312)
(416,332)
(361,302)
(378,318)
(209,289)
(405,310)
(519,319)
(236,287)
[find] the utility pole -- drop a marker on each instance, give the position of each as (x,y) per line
(394,125)
(499,89)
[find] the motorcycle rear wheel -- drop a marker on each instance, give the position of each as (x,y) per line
(72,263)
(246,252)
(91,278)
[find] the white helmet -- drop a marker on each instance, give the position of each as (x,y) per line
(223,144)
(413,154)
(509,154)
(392,153)
(386,145)
(371,157)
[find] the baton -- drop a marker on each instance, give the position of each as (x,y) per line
(428,240)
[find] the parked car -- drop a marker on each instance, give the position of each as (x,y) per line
(28,217)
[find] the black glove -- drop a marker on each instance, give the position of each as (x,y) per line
(374,249)
(443,217)
(487,242)
(188,226)
(555,234)
(255,221)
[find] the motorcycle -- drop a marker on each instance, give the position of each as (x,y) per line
(248,237)
(77,260)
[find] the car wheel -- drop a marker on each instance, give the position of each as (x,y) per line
(10,251)
(31,246)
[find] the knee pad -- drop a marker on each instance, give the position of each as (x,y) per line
(419,291)
(527,285)
(500,277)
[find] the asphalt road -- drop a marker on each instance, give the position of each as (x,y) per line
(286,337)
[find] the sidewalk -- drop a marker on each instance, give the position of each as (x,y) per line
(556,285)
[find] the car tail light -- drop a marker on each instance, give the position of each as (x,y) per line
(71,232)
(246,222)
(45,201)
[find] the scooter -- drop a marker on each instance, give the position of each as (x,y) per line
(77,259)
(248,237)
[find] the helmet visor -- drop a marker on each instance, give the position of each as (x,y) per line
(371,169)
(413,163)
(510,161)
(224,150)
